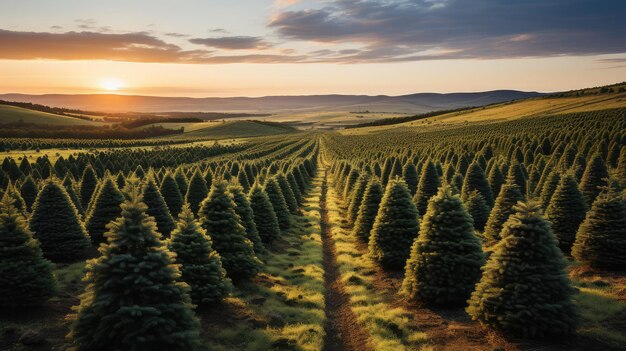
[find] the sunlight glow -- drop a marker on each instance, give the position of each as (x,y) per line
(111,84)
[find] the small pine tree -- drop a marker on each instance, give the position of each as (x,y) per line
(264,215)
(510,195)
(171,194)
(133,299)
(409,174)
(157,208)
(395,228)
(244,211)
(477,208)
(368,210)
(56,224)
(181,181)
(524,289)
(549,187)
(201,266)
(278,203)
(601,238)
(106,208)
(427,186)
(593,179)
(566,211)
(29,191)
(290,197)
(197,191)
(88,184)
(69,187)
(25,276)
(446,257)
(475,180)
(219,219)
(357,197)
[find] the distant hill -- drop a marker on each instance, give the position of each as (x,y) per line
(413,103)
(10,114)
(229,129)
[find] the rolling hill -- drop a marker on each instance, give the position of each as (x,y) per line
(227,130)
(9,114)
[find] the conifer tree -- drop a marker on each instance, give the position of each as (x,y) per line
(25,276)
(18,201)
(446,257)
(294,187)
(29,191)
(496,179)
(409,174)
(476,206)
(106,208)
(290,198)
(278,203)
(357,196)
(219,219)
(56,224)
(197,191)
(593,179)
(395,227)
(88,184)
(566,211)
(475,180)
(509,196)
(157,208)
(601,238)
(368,210)
(264,215)
(69,187)
(171,194)
(427,186)
(201,266)
(549,187)
(244,211)
(133,300)
(181,181)
(524,289)
(620,171)
(517,173)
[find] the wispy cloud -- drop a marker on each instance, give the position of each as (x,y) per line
(233,43)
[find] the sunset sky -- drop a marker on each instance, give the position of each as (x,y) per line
(291,47)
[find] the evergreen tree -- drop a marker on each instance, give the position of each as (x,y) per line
(18,201)
(395,228)
(475,180)
(566,211)
(601,238)
(478,209)
(593,179)
(88,184)
(56,224)
(25,276)
(290,198)
(446,257)
(106,208)
(29,191)
(620,171)
(171,194)
(264,215)
(278,203)
(244,211)
(517,173)
(181,181)
(219,219)
(133,300)
(524,289)
(69,187)
(427,186)
(409,174)
(509,196)
(197,191)
(157,208)
(549,187)
(357,197)
(368,210)
(496,179)
(294,187)
(201,266)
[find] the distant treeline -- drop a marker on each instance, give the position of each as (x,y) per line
(397,120)
(21,129)
(140,122)
(174,116)
(43,108)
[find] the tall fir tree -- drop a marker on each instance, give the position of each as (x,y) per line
(427,186)
(476,206)
(55,223)
(601,238)
(446,257)
(285,188)
(26,278)
(264,215)
(201,266)
(272,189)
(475,180)
(219,219)
(181,181)
(509,196)
(133,299)
(29,190)
(197,191)
(157,208)
(357,197)
(566,211)
(244,211)
(594,178)
(171,194)
(395,228)
(68,184)
(368,210)
(409,174)
(524,289)
(88,184)
(106,208)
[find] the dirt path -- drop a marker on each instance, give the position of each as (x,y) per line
(343,331)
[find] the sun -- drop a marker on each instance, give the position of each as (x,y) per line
(111,84)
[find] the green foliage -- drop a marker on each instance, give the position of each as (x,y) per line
(446,257)
(594,178)
(56,224)
(244,211)
(395,228)
(171,194)
(29,191)
(427,186)
(357,197)
(475,180)
(509,196)
(25,276)
(157,208)
(478,209)
(566,211)
(290,198)
(368,210)
(133,300)
(264,215)
(106,208)
(409,174)
(201,266)
(601,238)
(197,191)
(272,189)
(219,219)
(524,289)
(88,184)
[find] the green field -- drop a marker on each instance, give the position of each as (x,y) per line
(10,114)
(226,130)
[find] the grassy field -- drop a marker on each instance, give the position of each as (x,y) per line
(13,114)
(230,129)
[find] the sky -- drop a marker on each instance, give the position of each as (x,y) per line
(301,47)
